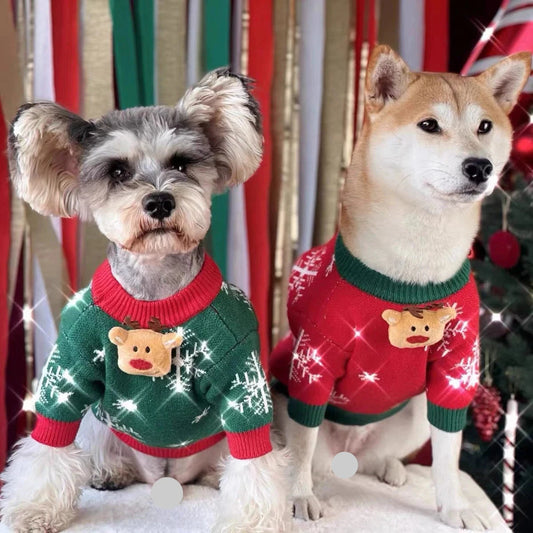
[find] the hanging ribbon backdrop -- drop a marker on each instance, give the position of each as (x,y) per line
(308,60)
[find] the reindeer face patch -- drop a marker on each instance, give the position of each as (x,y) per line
(145,352)
(415,327)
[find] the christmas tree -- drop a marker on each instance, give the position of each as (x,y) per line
(503,266)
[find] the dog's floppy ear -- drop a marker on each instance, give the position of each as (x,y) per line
(223,106)
(387,77)
(44,148)
(507,78)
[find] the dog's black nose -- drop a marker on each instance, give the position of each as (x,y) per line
(159,205)
(477,170)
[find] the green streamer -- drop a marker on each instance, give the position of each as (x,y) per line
(216,53)
(143,16)
(126,70)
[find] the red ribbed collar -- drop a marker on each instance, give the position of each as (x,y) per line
(109,295)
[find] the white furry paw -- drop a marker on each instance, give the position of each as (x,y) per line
(307,508)
(30,518)
(394,472)
(464,519)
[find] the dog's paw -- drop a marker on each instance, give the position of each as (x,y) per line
(394,472)
(464,519)
(29,518)
(112,480)
(307,508)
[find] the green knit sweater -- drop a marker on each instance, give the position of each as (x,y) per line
(218,389)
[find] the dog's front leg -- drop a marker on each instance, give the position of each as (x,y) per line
(301,442)
(454,509)
(42,487)
(254,495)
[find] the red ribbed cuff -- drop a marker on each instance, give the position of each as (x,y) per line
(250,444)
(54,433)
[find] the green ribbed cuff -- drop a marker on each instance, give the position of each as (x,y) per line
(450,420)
(310,416)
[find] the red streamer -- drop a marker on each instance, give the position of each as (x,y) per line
(67,90)
(261,60)
(436,36)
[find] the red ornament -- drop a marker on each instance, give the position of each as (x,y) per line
(486,411)
(504,249)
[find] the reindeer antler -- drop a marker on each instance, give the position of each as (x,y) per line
(133,324)
(155,324)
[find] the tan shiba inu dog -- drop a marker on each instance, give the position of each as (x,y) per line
(432,147)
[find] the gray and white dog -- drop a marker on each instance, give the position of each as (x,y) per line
(146,177)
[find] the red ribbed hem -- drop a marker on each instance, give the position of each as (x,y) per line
(250,444)
(169,453)
(109,295)
(55,433)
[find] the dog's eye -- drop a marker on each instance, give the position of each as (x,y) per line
(430,125)
(178,163)
(119,172)
(484,127)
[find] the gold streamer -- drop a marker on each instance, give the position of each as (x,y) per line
(98,99)
(284,188)
(171,52)
(336,63)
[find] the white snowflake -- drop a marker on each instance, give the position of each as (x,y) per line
(367,376)
(304,272)
(460,327)
(99,355)
(187,365)
(125,405)
(303,360)
(338,398)
(237,293)
(329,268)
(54,379)
(113,422)
(469,377)
(253,388)
(201,415)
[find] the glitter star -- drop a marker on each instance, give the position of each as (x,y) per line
(128,405)
(63,397)
(99,355)
(367,376)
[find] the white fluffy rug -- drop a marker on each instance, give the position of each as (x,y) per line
(363,504)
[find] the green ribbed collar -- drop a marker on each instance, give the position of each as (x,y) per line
(372,282)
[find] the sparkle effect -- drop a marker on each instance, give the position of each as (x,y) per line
(126,405)
(367,376)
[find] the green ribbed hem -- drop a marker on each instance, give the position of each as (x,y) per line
(450,420)
(341,416)
(372,282)
(310,416)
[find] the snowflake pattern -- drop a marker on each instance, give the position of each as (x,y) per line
(99,355)
(236,293)
(468,374)
(303,360)
(54,379)
(304,272)
(329,268)
(368,377)
(253,388)
(201,415)
(186,365)
(460,327)
(113,422)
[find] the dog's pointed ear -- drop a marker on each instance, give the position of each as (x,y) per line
(223,106)
(387,78)
(507,78)
(44,146)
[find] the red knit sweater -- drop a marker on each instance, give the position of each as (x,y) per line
(362,344)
